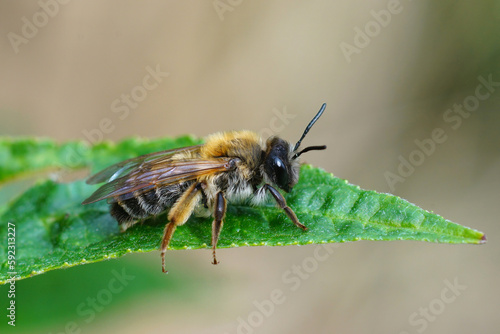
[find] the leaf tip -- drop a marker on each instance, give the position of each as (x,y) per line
(483,239)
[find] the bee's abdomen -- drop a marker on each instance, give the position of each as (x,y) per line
(119,213)
(146,204)
(128,210)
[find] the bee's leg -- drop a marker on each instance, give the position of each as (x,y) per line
(125,225)
(178,215)
(282,204)
(219,213)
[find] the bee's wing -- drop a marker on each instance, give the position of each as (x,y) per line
(125,167)
(158,173)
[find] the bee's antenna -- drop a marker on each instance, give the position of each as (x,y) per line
(311,123)
(307,149)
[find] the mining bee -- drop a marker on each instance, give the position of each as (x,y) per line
(230,167)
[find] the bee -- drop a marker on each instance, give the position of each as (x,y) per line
(234,166)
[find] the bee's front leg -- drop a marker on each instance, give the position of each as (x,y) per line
(219,214)
(282,204)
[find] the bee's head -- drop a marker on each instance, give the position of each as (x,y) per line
(278,164)
(281,164)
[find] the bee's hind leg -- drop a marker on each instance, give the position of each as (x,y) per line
(178,215)
(219,213)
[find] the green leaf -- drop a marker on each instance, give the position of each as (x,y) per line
(53,230)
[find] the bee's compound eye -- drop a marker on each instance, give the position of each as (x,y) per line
(281,174)
(276,165)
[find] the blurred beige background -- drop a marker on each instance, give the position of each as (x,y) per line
(243,65)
